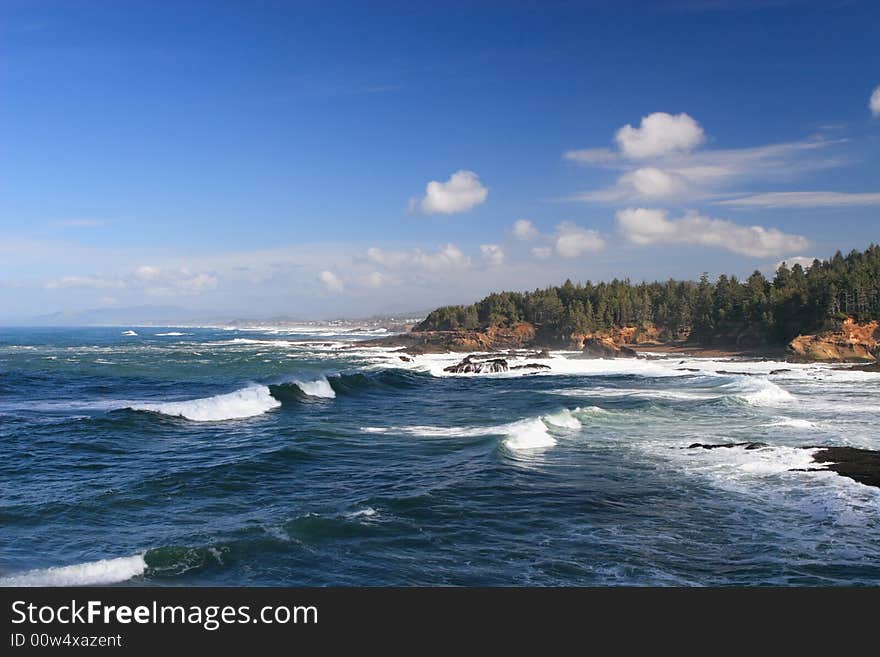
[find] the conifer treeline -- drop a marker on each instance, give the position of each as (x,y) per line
(753,311)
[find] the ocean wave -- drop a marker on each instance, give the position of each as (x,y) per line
(317,388)
(761,392)
(92,573)
(248,402)
(528,433)
(172,334)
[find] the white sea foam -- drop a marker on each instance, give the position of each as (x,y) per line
(92,573)
(564,419)
(173,334)
(793,422)
(247,402)
(528,435)
(129,333)
(761,392)
(317,388)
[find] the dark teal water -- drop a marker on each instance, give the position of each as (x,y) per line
(221,457)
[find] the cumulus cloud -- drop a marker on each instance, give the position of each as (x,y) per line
(658,162)
(542,252)
(660,134)
(492,254)
(874,103)
(331,281)
(646,226)
(525,230)
(572,240)
(804,200)
(447,258)
(462,192)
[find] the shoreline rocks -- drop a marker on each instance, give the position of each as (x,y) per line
(854,342)
(861,465)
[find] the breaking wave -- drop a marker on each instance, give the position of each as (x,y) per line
(248,402)
(529,433)
(91,573)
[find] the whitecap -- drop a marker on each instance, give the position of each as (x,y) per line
(247,402)
(92,573)
(317,388)
(793,422)
(528,435)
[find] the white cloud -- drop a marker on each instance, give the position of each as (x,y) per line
(652,226)
(525,230)
(804,200)
(331,281)
(542,252)
(153,281)
(803,261)
(659,164)
(374,279)
(874,103)
(147,273)
(573,240)
(447,258)
(462,192)
(93,282)
(492,254)
(660,134)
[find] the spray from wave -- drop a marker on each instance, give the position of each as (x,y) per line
(248,402)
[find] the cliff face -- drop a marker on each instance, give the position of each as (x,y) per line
(853,342)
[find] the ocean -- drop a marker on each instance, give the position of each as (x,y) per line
(268,457)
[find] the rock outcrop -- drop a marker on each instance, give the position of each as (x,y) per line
(475,365)
(606,348)
(862,465)
(852,343)
(494,338)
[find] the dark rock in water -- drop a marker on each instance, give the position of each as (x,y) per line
(870,367)
(473,365)
(862,465)
(779,371)
(531,366)
(405,359)
(754,445)
(731,372)
(606,348)
(687,369)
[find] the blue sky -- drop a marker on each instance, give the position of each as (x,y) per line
(326,159)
